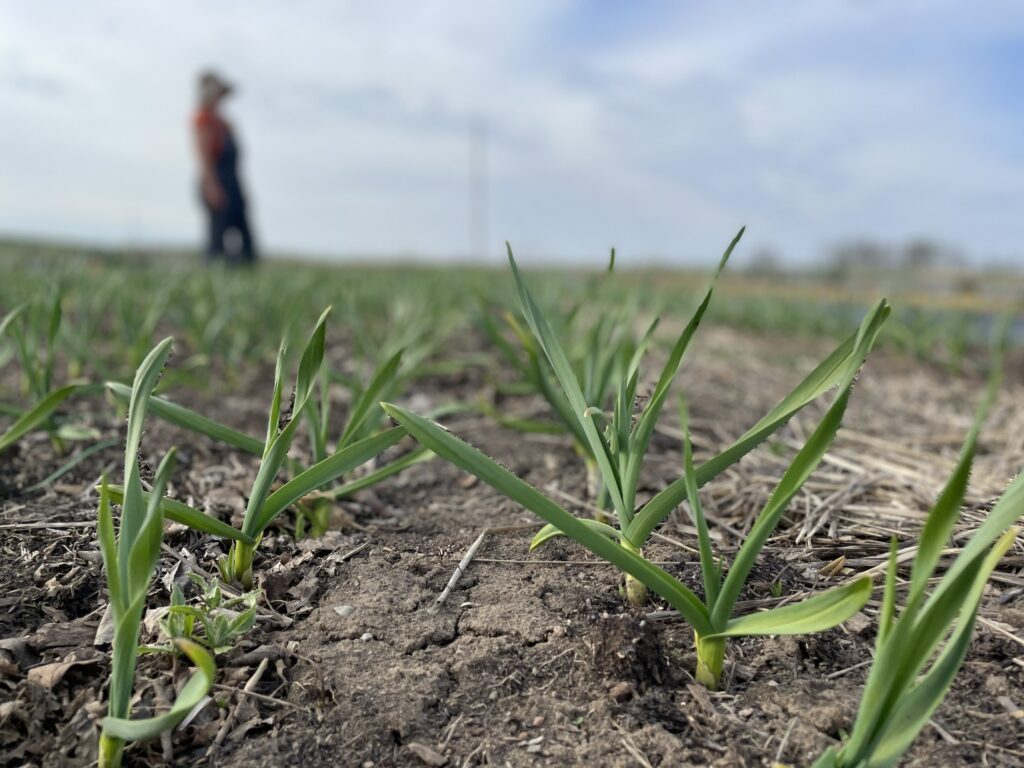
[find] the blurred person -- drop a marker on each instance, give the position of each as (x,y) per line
(220,187)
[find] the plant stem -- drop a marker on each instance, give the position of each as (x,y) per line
(597,492)
(636,591)
(319,517)
(710,659)
(110,751)
(241,563)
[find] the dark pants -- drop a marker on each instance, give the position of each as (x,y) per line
(224,220)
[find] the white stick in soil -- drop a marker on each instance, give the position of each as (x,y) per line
(461,567)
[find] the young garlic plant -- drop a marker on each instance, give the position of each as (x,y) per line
(129,559)
(364,420)
(619,444)
(265,505)
(920,648)
(364,417)
(620,455)
(362,423)
(603,348)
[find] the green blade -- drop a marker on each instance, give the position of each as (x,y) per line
(805,462)
(899,660)
(123,659)
(41,411)
(549,532)
(108,547)
(815,614)
(557,400)
(641,349)
(452,449)
(903,647)
(570,386)
(651,414)
(133,512)
(708,568)
(51,337)
(312,359)
(145,550)
(10,317)
(913,711)
(273,459)
(10,410)
(75,432)
(829,759)
(838,367)
(27,358)
(371,479)
(911,640)
(944,514)
(1005,513)
(324,472)
(527,426)
(189,419)
(888,612)
(370,397)
(142,389)
(274,414)
(190,696)
(186,515)
(497,339)
(317,416)
(276,452)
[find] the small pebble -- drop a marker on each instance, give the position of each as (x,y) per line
(367,636)
(427,755)
(621,691)
(538,721)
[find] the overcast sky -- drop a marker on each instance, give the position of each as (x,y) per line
(655,127)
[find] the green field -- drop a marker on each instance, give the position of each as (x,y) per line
(686,527)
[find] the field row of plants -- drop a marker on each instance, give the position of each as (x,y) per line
(602,360)
(112,309)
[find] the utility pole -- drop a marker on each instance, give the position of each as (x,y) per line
(479,236)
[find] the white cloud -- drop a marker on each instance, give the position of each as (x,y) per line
(809,121)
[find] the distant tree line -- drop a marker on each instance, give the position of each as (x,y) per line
(919,253)
(864,254)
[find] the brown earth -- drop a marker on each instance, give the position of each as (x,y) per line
(533,658)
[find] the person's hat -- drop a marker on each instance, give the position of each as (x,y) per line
(213,86)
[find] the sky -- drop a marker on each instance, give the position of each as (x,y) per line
(655,127)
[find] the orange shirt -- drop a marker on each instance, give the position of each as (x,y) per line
(211,134)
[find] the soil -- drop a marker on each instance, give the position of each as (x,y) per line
(533,658)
